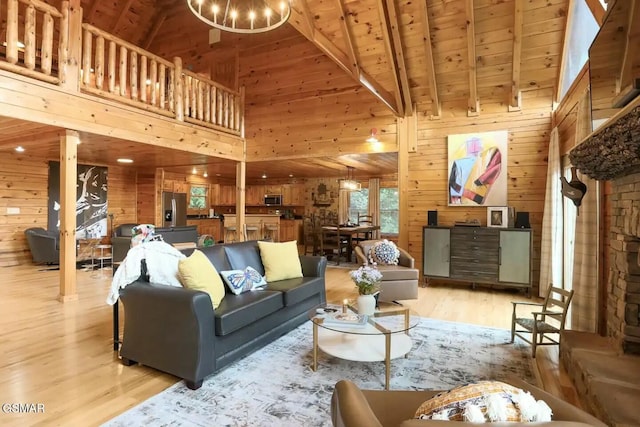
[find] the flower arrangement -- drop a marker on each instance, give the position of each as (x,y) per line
(366,279)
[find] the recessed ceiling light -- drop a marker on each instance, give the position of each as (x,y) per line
(290,175)
(264,176)
(217,174)
(125,161)
(193,171)
(205,174)
(20,149)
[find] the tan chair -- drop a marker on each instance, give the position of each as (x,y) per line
(399,282)
(550,320)
(272,232)
(353,407)
(251,232)
(230,234)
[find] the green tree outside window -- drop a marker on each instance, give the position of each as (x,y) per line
(197,197)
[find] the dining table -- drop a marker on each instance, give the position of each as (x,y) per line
(349,231)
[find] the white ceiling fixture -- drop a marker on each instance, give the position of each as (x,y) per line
(349,183)
(123,160)
(241,16)
(20,149)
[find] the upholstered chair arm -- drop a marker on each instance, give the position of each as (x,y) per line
(313,266)
(406,260)
(169,328)
(361,257)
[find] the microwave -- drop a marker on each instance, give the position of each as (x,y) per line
(273,199)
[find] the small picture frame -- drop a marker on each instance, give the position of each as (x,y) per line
(498,216)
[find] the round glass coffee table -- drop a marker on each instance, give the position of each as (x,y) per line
(339,331)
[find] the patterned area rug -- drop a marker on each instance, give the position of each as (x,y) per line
(276,387)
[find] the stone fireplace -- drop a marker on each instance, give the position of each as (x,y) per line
(623,286)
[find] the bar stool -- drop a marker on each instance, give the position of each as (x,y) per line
(272,232)
(230,234)
(251,232)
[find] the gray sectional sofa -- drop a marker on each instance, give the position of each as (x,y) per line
(176,330)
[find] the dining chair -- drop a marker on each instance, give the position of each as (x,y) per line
(333,243)
(544,326)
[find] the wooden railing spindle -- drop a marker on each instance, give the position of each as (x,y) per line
(87,42)
(30,38)
(172,80)
(178,89)
(123,71)
(133,74)
(46,52)
(143,79)
(153,80)
(112,66)
(162,77)
(99,62)
(12,31)
(214,112)
(207,103)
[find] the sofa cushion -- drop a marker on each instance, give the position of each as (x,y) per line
(237,311)
(197,272)
(216,255)
(396,272)
(243,254)
(240,281)
(484,401)
(280,260)
(384,252)
(298,289)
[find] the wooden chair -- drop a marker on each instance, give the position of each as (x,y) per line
(332,243)
(312,235)
(550,320)
(364,220)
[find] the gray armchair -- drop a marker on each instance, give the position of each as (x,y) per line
(399,282)
(44,245)
(121,241)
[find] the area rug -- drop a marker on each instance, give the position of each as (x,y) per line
(276,387)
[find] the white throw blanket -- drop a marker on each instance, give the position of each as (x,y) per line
(162,265)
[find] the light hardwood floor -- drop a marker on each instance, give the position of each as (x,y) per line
(60,355)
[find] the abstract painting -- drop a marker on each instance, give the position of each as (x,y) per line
(91,200)
(477,169)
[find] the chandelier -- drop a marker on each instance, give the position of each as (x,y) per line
(349,183)
(242,16)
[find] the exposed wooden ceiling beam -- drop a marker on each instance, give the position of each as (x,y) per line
(344,28)
(121,16)
(305,27)
(473,107)
(157,24)
(597,10)
(395,53)
(388,48)
(515,100)
(436,108)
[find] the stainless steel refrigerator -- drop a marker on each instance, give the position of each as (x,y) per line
(174,208)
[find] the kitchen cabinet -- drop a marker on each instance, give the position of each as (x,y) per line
(214,195)
(175,186)
(273,189)
(293,195)
(254,195)
(489,255)
(287,230)
(210,226)
(227,195)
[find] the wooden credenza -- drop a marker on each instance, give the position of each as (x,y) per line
(488,255)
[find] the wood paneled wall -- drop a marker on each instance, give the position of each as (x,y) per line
(25,186)
(529,131)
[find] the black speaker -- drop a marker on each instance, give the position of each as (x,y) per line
(522,220)
(432,218)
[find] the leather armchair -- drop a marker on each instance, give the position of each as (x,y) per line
(44,245)
(121,241)
(352,407)
(399,282)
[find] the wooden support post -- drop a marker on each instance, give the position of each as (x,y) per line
(407,138)
(241,174)
(68,180)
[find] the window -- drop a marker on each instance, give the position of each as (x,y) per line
(197,197)
(359,204)
(582,32)
(389,211)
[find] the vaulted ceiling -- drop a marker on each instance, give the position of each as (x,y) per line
(367,60)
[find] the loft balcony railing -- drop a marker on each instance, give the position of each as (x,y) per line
(111,68)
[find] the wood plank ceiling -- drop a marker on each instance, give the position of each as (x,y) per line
(367,60)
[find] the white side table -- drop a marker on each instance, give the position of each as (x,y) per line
(105,255)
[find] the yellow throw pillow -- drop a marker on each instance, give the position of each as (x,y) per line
(280,260)
(197,272)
